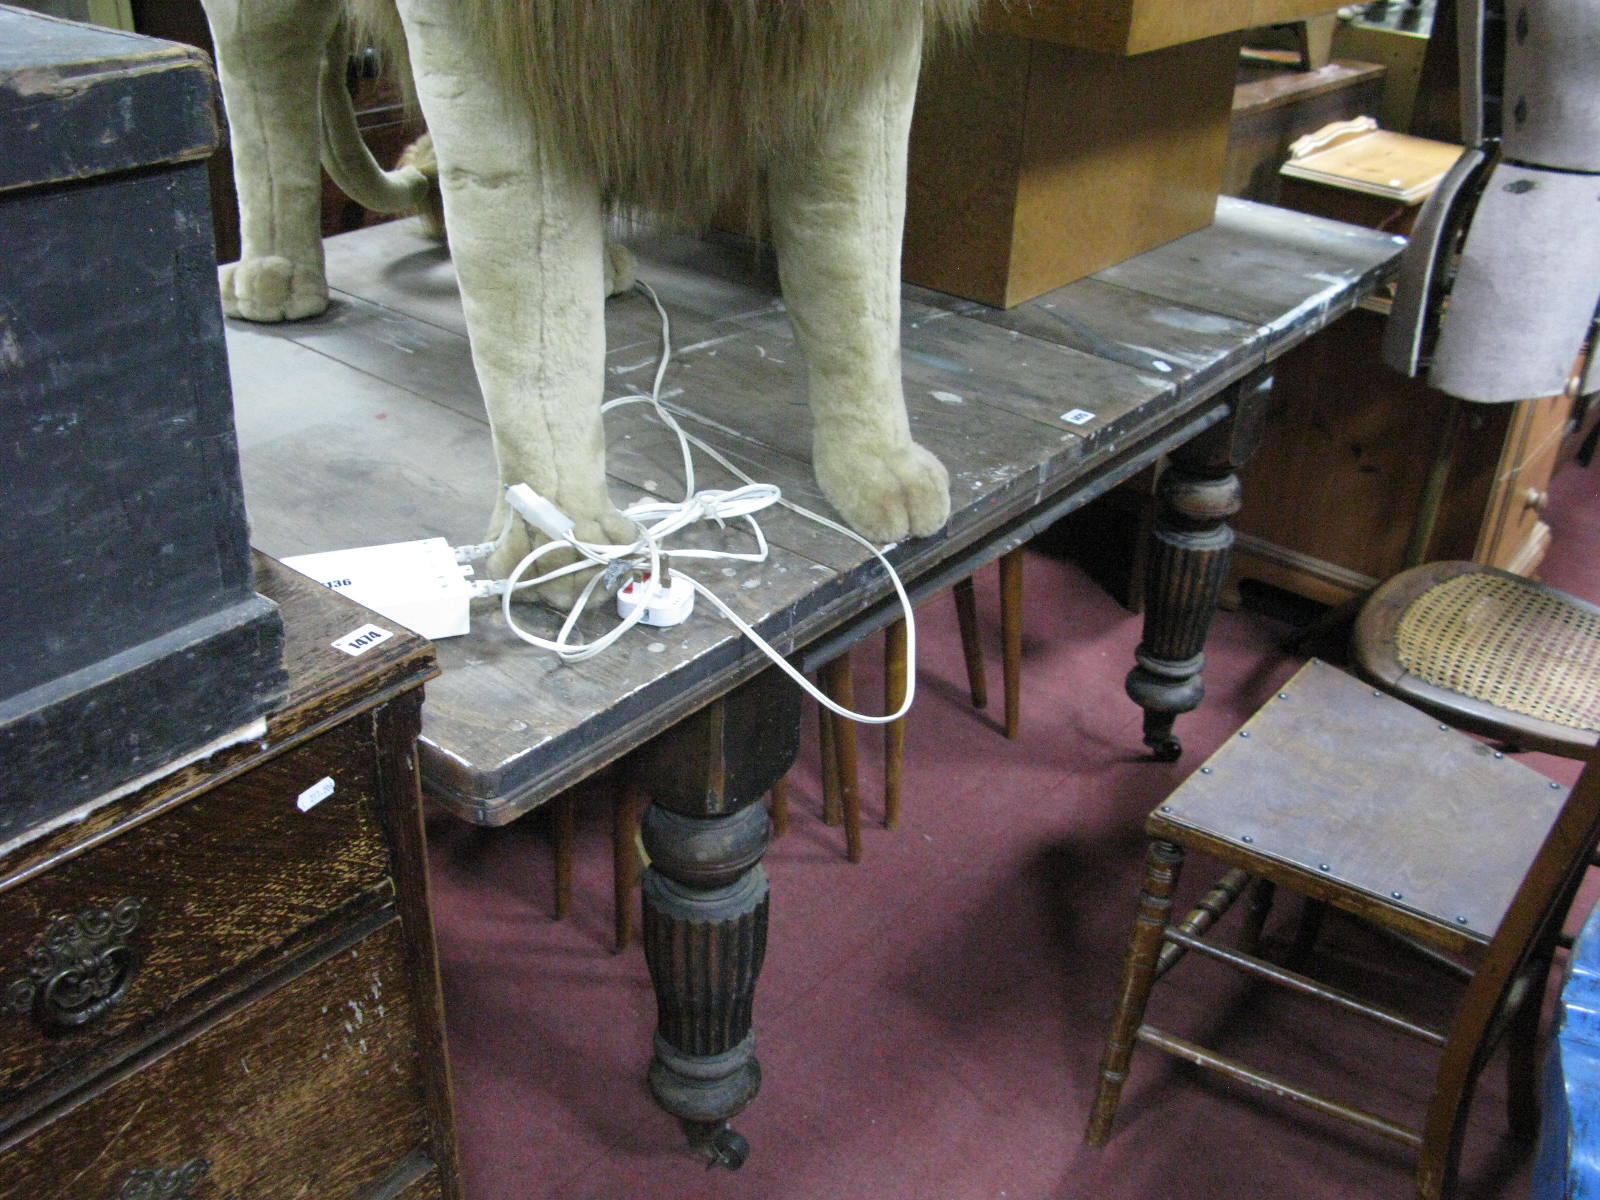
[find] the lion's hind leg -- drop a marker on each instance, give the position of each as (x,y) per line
(269,53)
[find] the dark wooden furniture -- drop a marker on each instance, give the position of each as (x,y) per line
(127,557)
(1340,793)
(1010,640)
(1375,472)
(1274,104)
(364,426)
(1487,651)
(840,782)
(223,982)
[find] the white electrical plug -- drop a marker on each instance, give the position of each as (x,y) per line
(670,605)
(539,512)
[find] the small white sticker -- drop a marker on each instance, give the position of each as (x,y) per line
(362,640)
(315,794)
(1078,416)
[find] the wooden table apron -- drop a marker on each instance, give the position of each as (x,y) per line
(366,426)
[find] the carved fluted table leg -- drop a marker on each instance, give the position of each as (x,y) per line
(1191,545)
(705,900)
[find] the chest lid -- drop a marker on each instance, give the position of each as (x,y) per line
(78,101)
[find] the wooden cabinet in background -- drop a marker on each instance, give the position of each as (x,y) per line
(1274,104)
(1363,472)
(223,983)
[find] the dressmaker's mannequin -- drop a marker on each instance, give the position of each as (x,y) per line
(1500,284)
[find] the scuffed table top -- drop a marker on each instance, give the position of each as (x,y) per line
(366,426)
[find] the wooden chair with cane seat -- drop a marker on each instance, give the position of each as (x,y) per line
(1344,795)
(1487,651)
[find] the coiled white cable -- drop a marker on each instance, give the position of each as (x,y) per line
(657,520)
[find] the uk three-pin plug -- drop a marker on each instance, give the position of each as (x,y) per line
(668,602)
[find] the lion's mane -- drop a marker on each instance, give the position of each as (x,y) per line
(673,105)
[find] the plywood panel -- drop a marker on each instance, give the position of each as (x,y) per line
(1136,26)
(1034,164)
(1120,155)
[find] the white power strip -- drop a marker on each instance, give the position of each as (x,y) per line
(418,584)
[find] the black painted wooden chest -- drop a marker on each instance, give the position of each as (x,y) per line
(130,630)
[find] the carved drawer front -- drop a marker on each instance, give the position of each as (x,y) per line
(103,943)
(311,1090)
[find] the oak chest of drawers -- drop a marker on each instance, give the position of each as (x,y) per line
(222,984)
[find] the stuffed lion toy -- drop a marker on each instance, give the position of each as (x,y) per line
(550,116)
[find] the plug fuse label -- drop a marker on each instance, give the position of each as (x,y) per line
(361,640)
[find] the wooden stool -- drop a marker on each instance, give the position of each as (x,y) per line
(1010,639)
(1352,799)
(841,794)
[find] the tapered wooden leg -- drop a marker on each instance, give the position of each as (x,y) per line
(839,683)
(1190,548)
(564,833)
(966,598)
(1443,1132)
(778,807)
(832,808)
(1255,916)
(1011,637)
(625,810)
(895,676)
(705,900)
(1163,862)
(1524,1060)
(1523,1100)
(1306,932)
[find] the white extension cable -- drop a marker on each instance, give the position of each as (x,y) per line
(648,558)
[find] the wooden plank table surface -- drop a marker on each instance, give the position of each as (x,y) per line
(365,426)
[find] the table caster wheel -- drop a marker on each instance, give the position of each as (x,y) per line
(1166,748)
(722,1145)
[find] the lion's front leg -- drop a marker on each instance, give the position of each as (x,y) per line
(526,234)
(838,208)
(269,53)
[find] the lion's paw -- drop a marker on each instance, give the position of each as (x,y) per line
(621,268)
(518,541)
(885,495)
(273,289)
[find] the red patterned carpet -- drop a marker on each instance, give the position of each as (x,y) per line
(930,1020)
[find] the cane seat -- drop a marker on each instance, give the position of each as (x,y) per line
(1487,651)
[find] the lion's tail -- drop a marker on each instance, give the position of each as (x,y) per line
(345,155)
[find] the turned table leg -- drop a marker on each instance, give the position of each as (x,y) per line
(1191,545)
(705,900)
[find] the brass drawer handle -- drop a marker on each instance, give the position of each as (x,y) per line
(164,1183)
(81,967)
